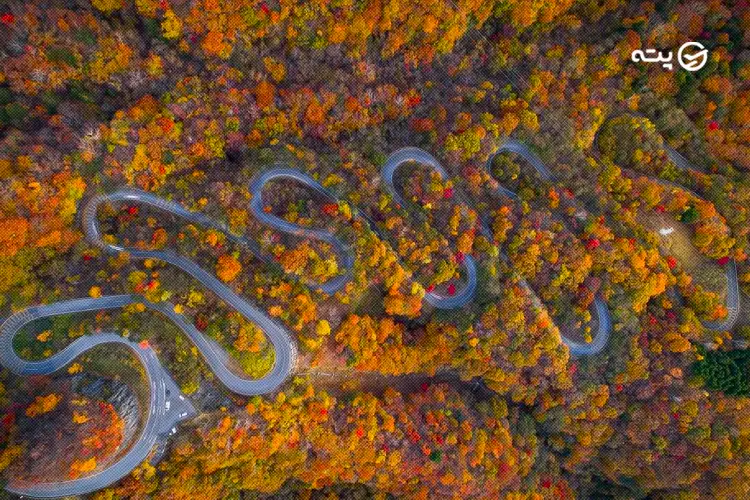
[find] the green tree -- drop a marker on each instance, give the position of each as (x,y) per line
(725,371)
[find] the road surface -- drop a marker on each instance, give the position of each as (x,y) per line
(285,348)
(167,406)
(164,412)
(733,302)
(600,306)
(412,154)
(680,161)
(387,173)
(166,409)
(343,252)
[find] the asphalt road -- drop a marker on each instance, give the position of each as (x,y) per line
(284,346)
(167,406)
(600,306)
(733,302)
(343,252)
(387,173)
(412,154)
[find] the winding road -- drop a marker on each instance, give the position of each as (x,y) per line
(600,306)
(412,154)
(387,173)
(284,346)
(164,412)
(343,252)
(167,406)
(733,300)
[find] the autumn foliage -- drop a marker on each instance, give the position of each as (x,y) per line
(191,99)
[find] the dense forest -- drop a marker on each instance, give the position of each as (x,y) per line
(646,209)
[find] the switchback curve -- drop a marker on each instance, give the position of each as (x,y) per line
(285,348)
(343,252)
(600,306)
(161,410)
(388,171)
(166,406)
(733,300)
(160,418)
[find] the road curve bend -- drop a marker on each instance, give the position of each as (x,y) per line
(160,417)
(600,306)
(285,348)
(163,413)
(343,252)
(733,302)
(387,173)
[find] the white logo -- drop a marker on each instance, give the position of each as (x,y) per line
(692,62)
(687,59)
(638,56)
